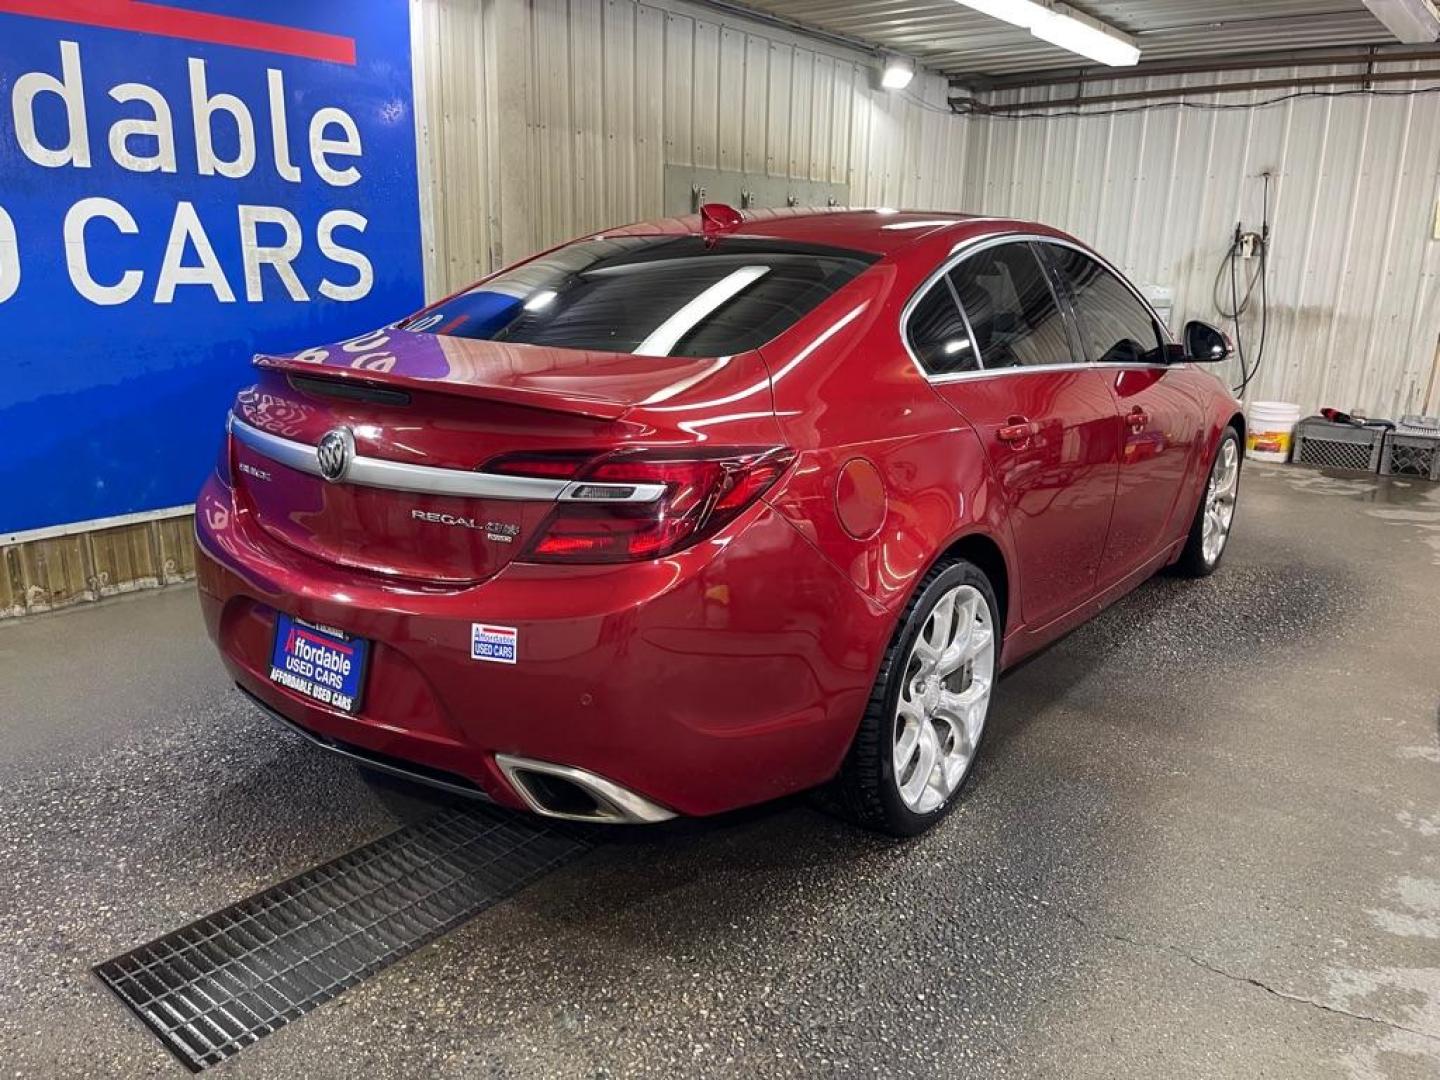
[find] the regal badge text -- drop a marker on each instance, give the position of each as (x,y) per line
(499,532)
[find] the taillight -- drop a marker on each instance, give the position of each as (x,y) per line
(557,465)
(632,505)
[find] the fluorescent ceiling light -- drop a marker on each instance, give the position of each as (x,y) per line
(1069,29)
(1415,22)
(1081,34)
(898,74)
(1023,13)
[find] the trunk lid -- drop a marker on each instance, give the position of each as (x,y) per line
(449,403)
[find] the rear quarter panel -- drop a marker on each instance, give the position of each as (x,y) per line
(845,387)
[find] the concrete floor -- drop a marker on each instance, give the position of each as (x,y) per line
(1203,841)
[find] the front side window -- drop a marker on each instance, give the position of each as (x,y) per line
(937,333)
(651,295)
(1012,309)
(1115,326)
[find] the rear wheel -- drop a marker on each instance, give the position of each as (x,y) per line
(1210,531)
(922,727)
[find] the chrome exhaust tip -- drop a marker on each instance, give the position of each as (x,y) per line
(571,794)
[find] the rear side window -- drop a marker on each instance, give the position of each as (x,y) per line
(937,333)
(651,295)
(1012,309)
(1115,326)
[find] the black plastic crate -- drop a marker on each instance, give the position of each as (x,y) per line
(1324,444)
(1413,448)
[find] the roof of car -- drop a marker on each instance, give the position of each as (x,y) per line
(880,231)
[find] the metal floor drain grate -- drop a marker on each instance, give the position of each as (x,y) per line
(231,978)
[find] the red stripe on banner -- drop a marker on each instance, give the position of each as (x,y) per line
(166,21)
(316,639)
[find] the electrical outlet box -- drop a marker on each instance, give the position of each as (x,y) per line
(1248,243)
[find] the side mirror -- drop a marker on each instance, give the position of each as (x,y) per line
(1204,344)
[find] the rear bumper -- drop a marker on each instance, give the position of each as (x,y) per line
(729,674)
(454,784)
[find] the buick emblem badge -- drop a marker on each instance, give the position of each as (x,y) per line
(334,453)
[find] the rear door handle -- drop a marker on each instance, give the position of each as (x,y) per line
(1017,430)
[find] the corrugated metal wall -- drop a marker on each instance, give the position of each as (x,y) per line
(1354,311)
(568,127)
(545,119)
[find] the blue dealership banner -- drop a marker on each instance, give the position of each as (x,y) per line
(182,185)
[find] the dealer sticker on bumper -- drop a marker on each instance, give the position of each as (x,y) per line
(497,644)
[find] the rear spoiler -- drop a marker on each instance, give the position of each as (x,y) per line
(551,399)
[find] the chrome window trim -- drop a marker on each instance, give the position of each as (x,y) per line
(982,243)
(923,294)
(965,321)
(430,480)
(997,373)
(1064,303)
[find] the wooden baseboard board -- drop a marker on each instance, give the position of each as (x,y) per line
(56,572)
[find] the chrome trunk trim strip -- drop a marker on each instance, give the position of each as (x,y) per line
(429,480)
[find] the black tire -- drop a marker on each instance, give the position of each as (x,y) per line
(866,789)
(1192,562)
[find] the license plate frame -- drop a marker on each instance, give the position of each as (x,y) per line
(319,662)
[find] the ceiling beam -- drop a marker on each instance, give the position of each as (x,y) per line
(1039,108)
(1259,61)
(794,26)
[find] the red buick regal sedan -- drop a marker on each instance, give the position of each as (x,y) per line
(688,515)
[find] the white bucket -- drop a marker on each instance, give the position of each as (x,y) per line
(1271,429)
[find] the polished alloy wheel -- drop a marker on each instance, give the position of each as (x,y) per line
(1220,496)
(944,696)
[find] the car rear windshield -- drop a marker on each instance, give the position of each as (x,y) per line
(650,295)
